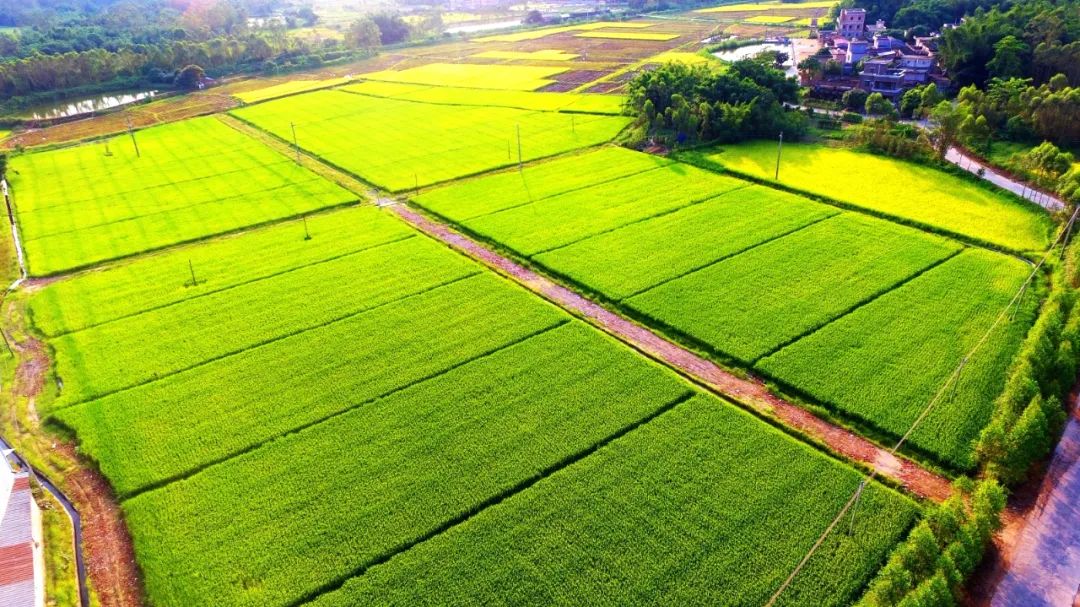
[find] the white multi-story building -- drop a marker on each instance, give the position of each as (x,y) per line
(851,23)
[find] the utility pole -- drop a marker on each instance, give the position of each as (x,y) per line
(191,268)
(1019,300)
(131,131)
(779,149)
(963,363)
(519,146)
(307,235)
(573,128)
(296,146)
(855,507)
(1065,242)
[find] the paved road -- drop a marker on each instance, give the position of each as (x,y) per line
(1045,566)
(971,165)
(1021,189)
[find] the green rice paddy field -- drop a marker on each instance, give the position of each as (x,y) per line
(331,408)
(753,276)
(217,442)
(95,202)
(400,144)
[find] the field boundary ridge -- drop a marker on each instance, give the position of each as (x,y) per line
(751,394)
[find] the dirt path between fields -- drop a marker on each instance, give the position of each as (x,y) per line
(109,553)
(1035,560)
(749,392)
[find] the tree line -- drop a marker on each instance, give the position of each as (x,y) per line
(1035,39)
(84,47)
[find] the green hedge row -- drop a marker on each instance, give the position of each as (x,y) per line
(929,568)
(1029,414)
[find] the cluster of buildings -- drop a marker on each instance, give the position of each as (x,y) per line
(874,61)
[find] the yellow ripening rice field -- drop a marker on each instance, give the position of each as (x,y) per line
(504,77)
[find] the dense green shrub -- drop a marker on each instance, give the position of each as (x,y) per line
(929,567)
(1029,413)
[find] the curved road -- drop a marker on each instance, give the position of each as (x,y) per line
(1043,569)
(1021,189)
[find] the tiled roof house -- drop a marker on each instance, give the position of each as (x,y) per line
(22,568)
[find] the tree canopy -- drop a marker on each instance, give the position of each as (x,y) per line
(681,103)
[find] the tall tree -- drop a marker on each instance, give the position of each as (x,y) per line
(363,34)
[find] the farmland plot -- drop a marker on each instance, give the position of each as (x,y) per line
(411,462)
(466,200)
(749,304)
(166,429)
(401,144)
(896,188)
(651,36)
(768,6)
(290,87)
(743,287)
(472,75)
(538,55)
(165,278)
(95,202)
(548,31)
(566,218)
(525,100)
(631,259)
(702,506)
(883,363)
(220,324)
(769,19)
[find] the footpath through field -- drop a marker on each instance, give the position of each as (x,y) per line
(750,393)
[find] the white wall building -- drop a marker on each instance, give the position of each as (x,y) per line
(851,23)
(22,564)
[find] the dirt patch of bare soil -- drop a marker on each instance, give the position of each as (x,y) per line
(110,555)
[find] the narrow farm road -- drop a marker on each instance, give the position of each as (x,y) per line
(1039,562)
(972,165)
(749,392)
(996,177)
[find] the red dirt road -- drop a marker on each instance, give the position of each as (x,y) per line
(751,393)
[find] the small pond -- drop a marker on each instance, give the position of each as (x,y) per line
(745,52)
(69,107)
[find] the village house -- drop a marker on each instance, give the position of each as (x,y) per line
(22,569)
(874,61)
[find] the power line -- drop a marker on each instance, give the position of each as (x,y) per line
(953,378)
